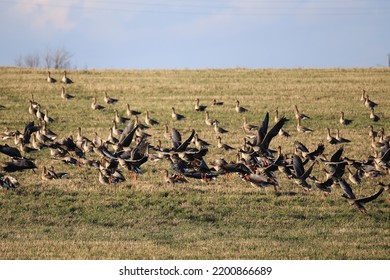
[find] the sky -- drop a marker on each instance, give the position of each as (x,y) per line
(198,34)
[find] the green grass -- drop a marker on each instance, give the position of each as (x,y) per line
(78,218)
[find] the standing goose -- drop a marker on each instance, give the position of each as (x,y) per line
(199,143)
(223,146)
(65,95)
(109,100)
(341,139)
(198,107)
(299,115)
(65,79)
(119,119)
(330,138)
(50,79)
(150,121)
(369,103)
(363,96)
(96,106)
(343,120)
(176,116)
(218,129)
(301,128)
(174,178)
(209,121)
(240,109)
(373,117)
(130,112)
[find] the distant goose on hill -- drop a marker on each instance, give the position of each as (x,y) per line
(240,109)
(109,100)
(50,79)
(217,103)
(96,106)
(65,95)
(66,80)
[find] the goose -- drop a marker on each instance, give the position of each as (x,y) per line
(373,117)
(19,164)
(209,121)
(331,140)
(65,95)
(300,174)
(199,143)
(363,96)
(372,132)
(343,120)
(50,174)
(174,178)
(150,121)
(46,117)
(341,139)
(276,118)
(301,128)
(369,103)
(65,79)
(130,112)
(50,79)
(218,129)
(299,115)
(115,130)
(217,103)
(176,116)
(323,186)
(248,126)
(10,151)
(260,180)
(109,100)
(223,146)
(8,182)
(96,106)
(348,194)
(386,187)
(198,107)
(240,109)
(355,178)
(119,119)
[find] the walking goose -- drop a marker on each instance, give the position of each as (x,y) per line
(369,103)
(65,79)
(150,121)
(50,79)
(373,117)
(218,129)
(173,178)
(209,121)
(223,146)
(341,139)
(331,140)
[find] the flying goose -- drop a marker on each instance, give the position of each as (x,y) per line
(109,100)
(65,95)
(240,109)
(50,79)
(19,164)
(348,194)
(300,174)
(65,79)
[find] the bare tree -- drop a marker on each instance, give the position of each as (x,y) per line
(32,60)
(61,59)
(58,59)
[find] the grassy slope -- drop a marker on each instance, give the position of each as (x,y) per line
(78,218)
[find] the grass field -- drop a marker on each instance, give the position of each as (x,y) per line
(79,218)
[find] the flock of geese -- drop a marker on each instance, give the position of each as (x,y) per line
(125,150)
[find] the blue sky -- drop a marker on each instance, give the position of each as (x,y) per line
(143,34)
